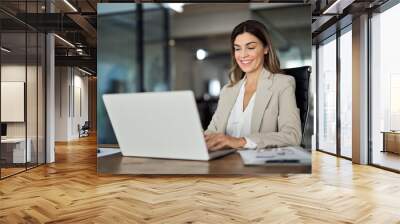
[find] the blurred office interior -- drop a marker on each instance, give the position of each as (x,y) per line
(187,50)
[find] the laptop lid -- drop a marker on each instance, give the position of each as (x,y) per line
(157,124)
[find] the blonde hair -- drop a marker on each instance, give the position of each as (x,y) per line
(271,61)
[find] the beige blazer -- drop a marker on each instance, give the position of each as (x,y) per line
(275,119)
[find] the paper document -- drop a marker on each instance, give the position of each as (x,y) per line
(284,155)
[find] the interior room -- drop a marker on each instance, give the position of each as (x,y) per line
(196,59)
(22,100)
(55,69)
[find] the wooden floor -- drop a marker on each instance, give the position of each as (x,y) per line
(386,159)
(10,171)
(70,191)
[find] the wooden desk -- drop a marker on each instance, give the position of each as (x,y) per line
(13,150)
(391,141)
(231,164)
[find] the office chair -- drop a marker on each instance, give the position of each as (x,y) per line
(84,130)
(302,77)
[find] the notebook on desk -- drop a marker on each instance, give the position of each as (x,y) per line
(280,155)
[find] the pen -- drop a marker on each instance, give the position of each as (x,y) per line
(283,161)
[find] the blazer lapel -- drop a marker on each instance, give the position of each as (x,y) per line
(231,96)
(263,97)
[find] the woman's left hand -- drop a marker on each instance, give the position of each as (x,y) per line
(220,141)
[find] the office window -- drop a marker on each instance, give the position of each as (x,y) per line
(385,88)
(327,95)
(346,92)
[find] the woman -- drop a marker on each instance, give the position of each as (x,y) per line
(257,109)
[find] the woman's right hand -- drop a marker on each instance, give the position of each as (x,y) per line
(219,141)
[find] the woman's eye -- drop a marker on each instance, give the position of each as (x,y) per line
(251,48)
(237,49)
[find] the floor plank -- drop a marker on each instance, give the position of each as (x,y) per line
(70,191)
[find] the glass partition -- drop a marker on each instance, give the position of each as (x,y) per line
(156,70)
(327,95)
(117,67)
(133,54)
(346,93)
(14,148)
(22,91)
(31,100)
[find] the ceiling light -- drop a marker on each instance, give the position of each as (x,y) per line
(201,54)
(84,71)
(214,87)
(65,41)
(337,7)
(70,5)
(5,50)
(177,7)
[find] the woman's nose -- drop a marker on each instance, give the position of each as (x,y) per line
(243,53)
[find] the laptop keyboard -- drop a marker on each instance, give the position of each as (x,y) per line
(219,153)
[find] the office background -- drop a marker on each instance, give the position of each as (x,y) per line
(336,39)
(149,47)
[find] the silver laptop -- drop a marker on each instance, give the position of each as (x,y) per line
(158,125)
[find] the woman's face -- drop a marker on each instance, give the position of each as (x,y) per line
(249,52)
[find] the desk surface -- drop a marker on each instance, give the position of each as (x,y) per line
(390,132)
(230,164)
(13,140)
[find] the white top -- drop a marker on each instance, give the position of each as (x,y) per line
(239,121)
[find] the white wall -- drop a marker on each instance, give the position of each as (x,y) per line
(61,103)
(33,126)
(17,73)
(79,117)
(70,84)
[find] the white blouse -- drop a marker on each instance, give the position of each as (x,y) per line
(239,122)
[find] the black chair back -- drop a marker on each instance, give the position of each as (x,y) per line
(302,77)
(86,126)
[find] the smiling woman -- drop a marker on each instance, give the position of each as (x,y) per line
(257,109)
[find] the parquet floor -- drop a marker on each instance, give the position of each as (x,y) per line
(10,171)
(70,191)
(387,159)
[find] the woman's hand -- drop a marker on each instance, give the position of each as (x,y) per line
(220,141)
